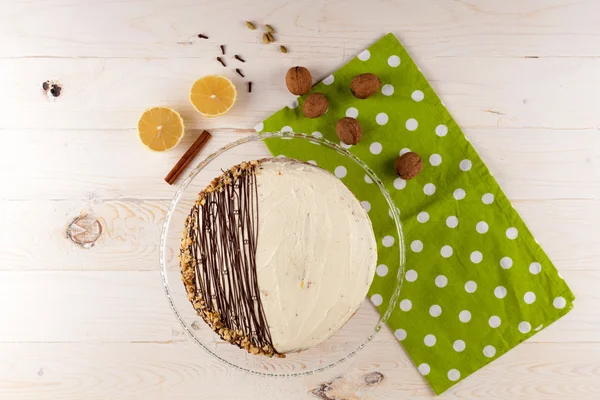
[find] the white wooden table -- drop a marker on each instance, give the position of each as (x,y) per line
(522,77)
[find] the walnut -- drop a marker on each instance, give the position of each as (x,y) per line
(348,130)
(315,105)
(408,165)
(365,85)
(298,80)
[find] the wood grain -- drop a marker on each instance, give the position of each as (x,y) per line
(101,94)
(130,306)
(312,28)
(132,227)
(95,166)
(179,370)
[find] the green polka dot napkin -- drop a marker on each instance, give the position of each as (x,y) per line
(477,283)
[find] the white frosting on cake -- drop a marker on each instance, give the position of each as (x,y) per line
(316,253)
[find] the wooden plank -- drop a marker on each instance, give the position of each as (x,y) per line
(158,371)
(131,234)
(312,29)
(130,306)
(129,241)
(94,307)
(101,94)
(97,165)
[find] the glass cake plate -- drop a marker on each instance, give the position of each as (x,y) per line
(359,330)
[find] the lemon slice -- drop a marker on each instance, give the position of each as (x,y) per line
(160,128)
(213,95)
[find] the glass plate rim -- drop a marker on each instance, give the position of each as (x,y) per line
(395,214)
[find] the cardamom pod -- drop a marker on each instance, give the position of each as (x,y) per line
(250,25)
(270,36)
(266,39)
(283,49)
(270,29)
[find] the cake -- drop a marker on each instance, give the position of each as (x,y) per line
(277,255)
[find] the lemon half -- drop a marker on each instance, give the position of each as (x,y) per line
(160,128)
(213,95)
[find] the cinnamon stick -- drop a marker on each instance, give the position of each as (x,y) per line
(187,158)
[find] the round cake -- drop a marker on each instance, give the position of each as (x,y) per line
(277,255)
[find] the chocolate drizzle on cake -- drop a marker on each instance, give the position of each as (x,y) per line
(218,260)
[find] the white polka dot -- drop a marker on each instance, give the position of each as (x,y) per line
(452,221)
(435,311)
(382,270)
(293,104)
(352,112)
(366,205)
(388,241)
(329,80)
(500,292)
(512,233)
(435,160)
(529,297)
(489,351)
(446,251)
(482,227)
(345,146)
(524,327)
(429,189)
(464,316)
(399,183)
(459,345)
(411,275)
(393,61)
(487,198)
(539,327)
(470,287)
(364,55)
(411,124)
(417,95)
(465,165)
(416,246)
(317,134)
(506,262)
(535,268)
(340,171)
(423,217)
(453,375)
(441,281)
(459,194)
(377,299)
(429,340)
(424,369)
(405,305)
(313,162)
(559,302)
(381,118)
(387,90)
(375,148)
(368,179)
(281,156)
(441,130)
(400,334)
(494,321)
(476,257)
(404,151)
(287,128)
(259,127)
